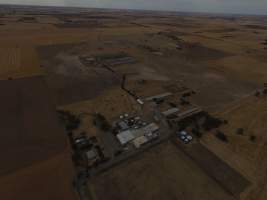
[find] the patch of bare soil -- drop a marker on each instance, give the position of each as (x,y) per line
(231,180)
(257,27)
(71,81)
(199,52)
(160,173)
(30,131)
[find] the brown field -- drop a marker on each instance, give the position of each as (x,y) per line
(161,173)
(222,58)
(34,149)
(111,103)
(246,156)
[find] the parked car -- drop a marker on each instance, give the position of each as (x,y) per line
(184,137)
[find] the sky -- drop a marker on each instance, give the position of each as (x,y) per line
(214,6)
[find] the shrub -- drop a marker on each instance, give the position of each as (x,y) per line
(101,122)
(252,138)
(211,123)
(70,121)
(221,136)
(257,94)
(240,131)
(197,133)
(173,105)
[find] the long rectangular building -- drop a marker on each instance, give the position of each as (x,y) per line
(129,135)
(160,96)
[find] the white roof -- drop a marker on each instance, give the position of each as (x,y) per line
(170,111)
(125,137)
(150,128)
(129,135)
(158,96)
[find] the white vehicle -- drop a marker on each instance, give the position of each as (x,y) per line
(189,137)
(184,136)
(183,133)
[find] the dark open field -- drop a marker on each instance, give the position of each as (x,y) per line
(228,178)
(34,151)
(70,80)
(29,130)
(161,173)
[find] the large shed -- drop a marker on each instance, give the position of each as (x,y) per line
(125,137)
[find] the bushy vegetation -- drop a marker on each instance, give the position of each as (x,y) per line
(211,123)
(101,122)
(197,132)
(200,123)
(257,94)
(221,136)
(252,138)
(240,131)
(69,120)
(111,56)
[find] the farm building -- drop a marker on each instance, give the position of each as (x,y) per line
(160,96)
(132,134)
(138,142)
(170,111)
(125,137)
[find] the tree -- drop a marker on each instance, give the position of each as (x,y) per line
(252,138)
(211,123)
(101,122)
(70,120)
(197,133)
(221,136)
(240,131)
(257,94)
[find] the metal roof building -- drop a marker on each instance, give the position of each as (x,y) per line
(131,134)
(138,142)
(125,137)
(170,111)
(152,127)
(160,96)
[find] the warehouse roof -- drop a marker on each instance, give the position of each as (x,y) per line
(158,96)
(170,111)
(125,137)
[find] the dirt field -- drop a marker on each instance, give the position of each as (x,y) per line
(246,156)
(23,118)
(70,80)
(111,104)
(161,173)
(229,179)
(16,62)
(34,149)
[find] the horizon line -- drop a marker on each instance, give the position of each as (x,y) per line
(134,9)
